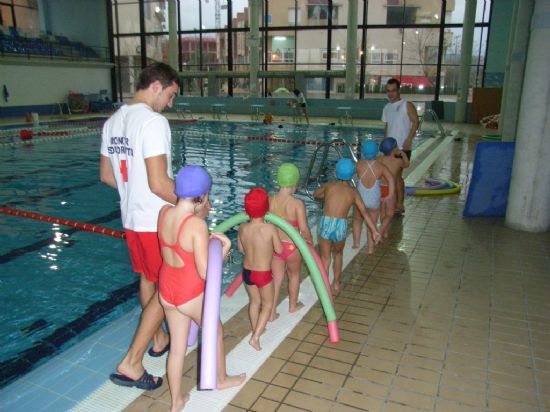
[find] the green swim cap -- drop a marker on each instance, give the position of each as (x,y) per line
(288,175)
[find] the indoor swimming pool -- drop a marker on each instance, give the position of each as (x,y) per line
(61,284)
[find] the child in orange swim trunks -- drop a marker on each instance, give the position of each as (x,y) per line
(258,240)
(183,238)
(395,161)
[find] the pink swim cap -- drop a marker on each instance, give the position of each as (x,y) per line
(256,203)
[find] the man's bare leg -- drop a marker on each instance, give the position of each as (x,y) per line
(152,315)
(146,292)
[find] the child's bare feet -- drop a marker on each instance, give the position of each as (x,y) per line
(336,286)
(255,343)
(231,381)
(275,316)
(296,307)
(178,406)
(370,250)
(355,246)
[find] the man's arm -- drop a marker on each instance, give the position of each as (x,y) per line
(413,116)
(385,130)
(106,174)
(159,181)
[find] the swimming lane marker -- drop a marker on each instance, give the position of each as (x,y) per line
(88,227)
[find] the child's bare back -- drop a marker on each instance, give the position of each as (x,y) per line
(338,198)
(257,238)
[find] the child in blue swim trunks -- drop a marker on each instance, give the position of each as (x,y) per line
(258,240)
(338,199)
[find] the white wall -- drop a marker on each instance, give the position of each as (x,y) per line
(35,85)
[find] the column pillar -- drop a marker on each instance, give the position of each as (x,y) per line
(351,49)
(173,34)
(254,46)
(465,61)
(529,197)
(515,67)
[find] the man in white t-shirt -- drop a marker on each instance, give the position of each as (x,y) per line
(401,123)
(136,160)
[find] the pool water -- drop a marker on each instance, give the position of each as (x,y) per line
(59,285)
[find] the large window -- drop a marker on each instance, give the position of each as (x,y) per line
(418,41)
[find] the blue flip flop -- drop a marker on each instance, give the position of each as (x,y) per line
(146,382)
(154,354)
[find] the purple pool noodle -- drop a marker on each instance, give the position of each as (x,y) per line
(193,331)
(211,315)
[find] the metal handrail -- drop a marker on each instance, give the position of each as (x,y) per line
(437,122)
(335,144)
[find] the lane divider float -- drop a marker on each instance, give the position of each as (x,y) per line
(88,227)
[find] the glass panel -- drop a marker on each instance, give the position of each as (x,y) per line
(214,14)
(157,48)
(241,85)
(156,16)
(281,87)
(189,47)
(418,81)
(130,47)
(420,46)
(316,13)
(397,12)
(452,45)
(240,13)
(338,53)
(455,11)
(280,50)
(5,13)
(128,75)
(312,49)
(189,15)
(449,81)
(483,11)
(27,20)
(193,87)
(384,46)
(128,18)
(422,11)
(240,50)
(214,51)
(376,78)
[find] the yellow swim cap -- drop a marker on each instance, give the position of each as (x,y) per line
(288,175)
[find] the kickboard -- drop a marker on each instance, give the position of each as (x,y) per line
(490,182)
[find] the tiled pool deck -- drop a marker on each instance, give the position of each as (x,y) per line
(449,314)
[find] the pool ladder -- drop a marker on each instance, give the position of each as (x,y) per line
(433,114)
(336,145)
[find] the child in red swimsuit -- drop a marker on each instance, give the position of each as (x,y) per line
(183,238)
(258,240)
(286,206)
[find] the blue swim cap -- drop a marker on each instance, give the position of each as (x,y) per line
(369,149)
(192,181)
(345,168)
(387,145)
